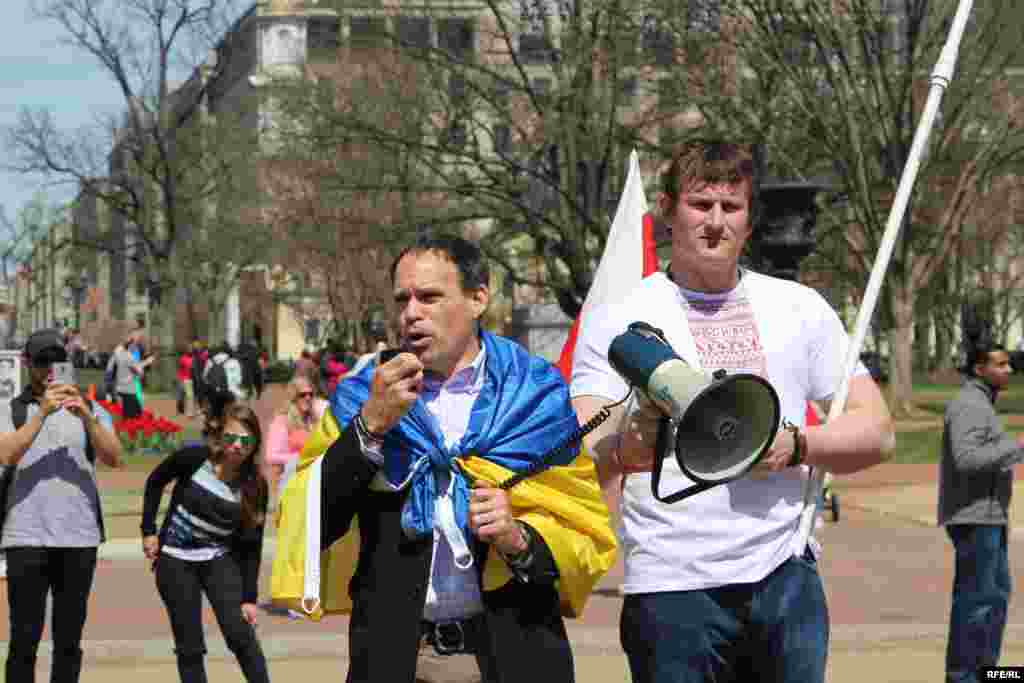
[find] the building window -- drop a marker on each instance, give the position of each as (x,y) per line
(657,42)
(535,46)
(457,134)
(502,139)
(502,88)
(312,331)
(457,89)
(456,36)
(704,16)
(413,31)
(628,87)
(322,36)
(367,31)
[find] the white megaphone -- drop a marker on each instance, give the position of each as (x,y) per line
(722,424)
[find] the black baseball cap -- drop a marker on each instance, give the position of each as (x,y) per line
(46,346)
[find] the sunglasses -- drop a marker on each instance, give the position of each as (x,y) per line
(244,440)
(305,394)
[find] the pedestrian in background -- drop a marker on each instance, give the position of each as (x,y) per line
(126,370)
(199,358)
(975,485)
(211,542)
(186,397)
(290,428)
(52,521)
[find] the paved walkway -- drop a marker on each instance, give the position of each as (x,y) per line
(886,567)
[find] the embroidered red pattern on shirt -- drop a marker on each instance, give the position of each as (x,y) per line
(725,334)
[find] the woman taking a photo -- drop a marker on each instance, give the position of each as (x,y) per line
(211,541)
(290,428)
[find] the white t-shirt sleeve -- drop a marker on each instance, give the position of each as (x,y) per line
(829,346)
(592,375)
(6,420)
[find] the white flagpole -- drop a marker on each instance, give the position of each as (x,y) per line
(940,79)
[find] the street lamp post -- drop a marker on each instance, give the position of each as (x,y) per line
(784,235)
(78,286)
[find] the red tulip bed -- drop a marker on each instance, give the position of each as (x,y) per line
(146,433)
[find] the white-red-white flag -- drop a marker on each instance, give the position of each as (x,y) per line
(629,256)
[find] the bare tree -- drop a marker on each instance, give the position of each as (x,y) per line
(834,90)
(175,177)
(519,119)
(345,203)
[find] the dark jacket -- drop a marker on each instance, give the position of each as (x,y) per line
(976,475)
(525,635)
(246,543)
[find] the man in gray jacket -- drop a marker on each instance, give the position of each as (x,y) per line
(975,483)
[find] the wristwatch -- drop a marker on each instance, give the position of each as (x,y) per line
(799,445)
(522,560)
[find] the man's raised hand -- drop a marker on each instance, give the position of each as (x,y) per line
(393,390)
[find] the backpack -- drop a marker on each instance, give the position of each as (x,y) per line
(216,379)
(110,378)
(248,357)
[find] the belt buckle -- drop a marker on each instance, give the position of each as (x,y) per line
(449,638)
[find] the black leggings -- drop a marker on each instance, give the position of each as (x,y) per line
(182,585)
(130,405)
(31,574)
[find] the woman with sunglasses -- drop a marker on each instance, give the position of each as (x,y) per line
(290,428)
(211,542)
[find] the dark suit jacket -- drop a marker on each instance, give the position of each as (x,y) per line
(525,640)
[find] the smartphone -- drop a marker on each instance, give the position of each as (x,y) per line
(63,373)
(387,354)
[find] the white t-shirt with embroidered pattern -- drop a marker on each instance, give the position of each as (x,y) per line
(741,531)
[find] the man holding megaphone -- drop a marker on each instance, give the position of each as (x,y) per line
(719,585)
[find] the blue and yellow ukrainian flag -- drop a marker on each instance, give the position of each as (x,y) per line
(520,413)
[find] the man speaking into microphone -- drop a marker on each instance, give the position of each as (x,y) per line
(717,587)
(419,446)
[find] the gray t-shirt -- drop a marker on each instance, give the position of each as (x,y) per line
(53,501)
(125,378)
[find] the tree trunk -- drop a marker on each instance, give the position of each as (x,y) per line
(901,350)
(921,358)
(161,374)
(943,347)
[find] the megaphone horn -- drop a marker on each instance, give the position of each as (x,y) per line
(721,425)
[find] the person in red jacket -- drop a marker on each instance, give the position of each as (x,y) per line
(186,396)
(335,370)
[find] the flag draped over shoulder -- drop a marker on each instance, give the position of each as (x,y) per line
(521,413)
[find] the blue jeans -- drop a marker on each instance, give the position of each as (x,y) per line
(775,629)
(981,595)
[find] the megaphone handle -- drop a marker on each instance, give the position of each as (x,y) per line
(664,426)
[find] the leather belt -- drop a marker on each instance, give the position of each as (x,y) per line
(455,637)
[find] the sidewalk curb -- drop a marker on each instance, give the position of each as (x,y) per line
(586,642)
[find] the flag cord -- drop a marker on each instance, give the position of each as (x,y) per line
(549,458)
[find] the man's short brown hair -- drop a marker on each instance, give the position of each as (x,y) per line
(710,162)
